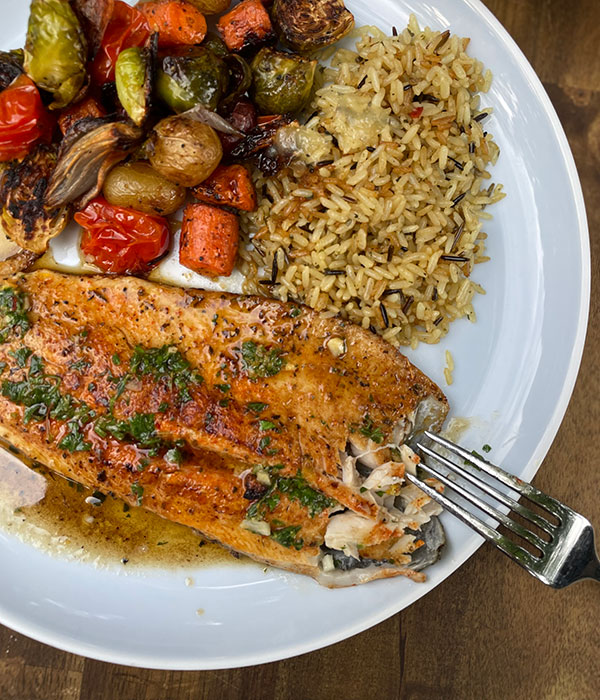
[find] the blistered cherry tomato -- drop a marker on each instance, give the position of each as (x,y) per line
(121,240)
(23,118)
(127,27)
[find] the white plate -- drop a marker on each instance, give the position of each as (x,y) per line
(515,370)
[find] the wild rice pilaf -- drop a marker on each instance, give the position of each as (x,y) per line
(380,217)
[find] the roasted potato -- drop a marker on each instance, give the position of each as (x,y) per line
(139,186)
(183,150)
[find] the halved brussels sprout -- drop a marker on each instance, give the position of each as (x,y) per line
(240,79)
(139,186)
(55,50)
(88,151)
(190,76)
(11,65)
(306,25)
(184,150)
(133,79)
(281,81)
(213,43)
(25,218)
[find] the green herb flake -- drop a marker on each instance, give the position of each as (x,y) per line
(264,442)
(259,361)
(174,456)
(266,425)
(159,544)
(138,491)
(166,364)
(163,407)
(79,365)
(295,312)
(223,387)
(256,406)
(224,403)
(13,313)
(116,359)
(74,441)
(487,448)
(369,430)
(21,356)
(286,536)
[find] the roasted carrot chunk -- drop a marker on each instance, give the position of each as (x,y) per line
(177,22)
(86,108)
(229,184)
(209,240)
(247,24)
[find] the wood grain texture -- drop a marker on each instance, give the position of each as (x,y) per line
(490,631)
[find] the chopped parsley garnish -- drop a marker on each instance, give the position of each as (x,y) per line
(116,359)
(369,430)
(264,442)
(21,356)
(256,406)
(174,456)
(79,365)
(13,313)
(296,489)
(223,387)
(487,448)
(295,312)
(266,425)
(224,403)
(138,491)
(286,536)
(167,364)
(260,362)
(74,440)
(139,429)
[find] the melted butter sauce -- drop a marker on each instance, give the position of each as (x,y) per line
(63,518)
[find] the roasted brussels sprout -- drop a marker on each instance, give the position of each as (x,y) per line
(211,7)
(11,65)
(134,75)
(56,50)
(89,150)
(213,43)
(281,81)
(306,25)
(240,79)
(184,150)
(25,218)
(139,186)
(189,76)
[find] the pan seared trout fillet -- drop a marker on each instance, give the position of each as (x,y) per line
(262,424)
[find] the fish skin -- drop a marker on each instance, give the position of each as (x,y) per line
(318,402)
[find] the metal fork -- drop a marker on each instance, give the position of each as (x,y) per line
(567,556)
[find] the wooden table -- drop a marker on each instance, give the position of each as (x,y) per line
(490,631)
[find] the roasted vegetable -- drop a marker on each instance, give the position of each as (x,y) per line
(11,66)
(19,261)
(23,119)
(281,82)
(178,23)
(240,79)
(230,185)
(120,240)
(210,7)
(88,151)
(25,218)
(209,240)
(134,77)
(306,25)
(191,76)
(245,26)
(241,117)
(184,150)
(127,27)
(94,16)
(55,50)
(139,186)
(215,45)
(82,110)
(263,147)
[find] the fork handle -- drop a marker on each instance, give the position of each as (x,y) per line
(592,570)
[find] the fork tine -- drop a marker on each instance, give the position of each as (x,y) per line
(550,504)
(487,508)
(490,490)
(503,543)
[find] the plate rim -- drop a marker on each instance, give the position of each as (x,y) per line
(469,547)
